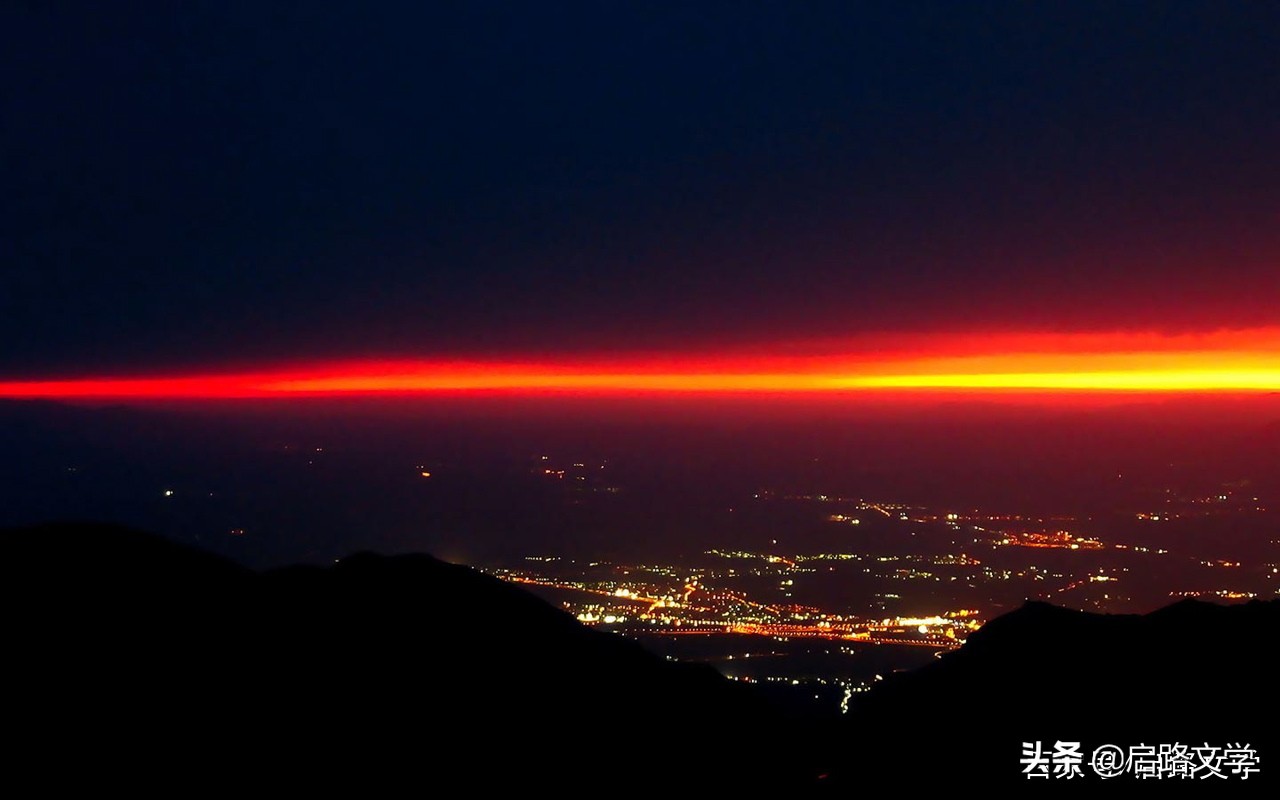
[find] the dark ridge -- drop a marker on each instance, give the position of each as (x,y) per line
(1190,673)
(135,661)
(134,658)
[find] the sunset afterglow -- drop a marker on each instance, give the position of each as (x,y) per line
(1234,361)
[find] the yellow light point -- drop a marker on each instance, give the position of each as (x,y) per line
(426,474)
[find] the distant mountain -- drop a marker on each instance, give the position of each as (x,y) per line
(1192,673)
(134,661)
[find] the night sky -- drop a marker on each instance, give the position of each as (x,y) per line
(186,186)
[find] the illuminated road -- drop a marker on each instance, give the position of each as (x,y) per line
(664,620)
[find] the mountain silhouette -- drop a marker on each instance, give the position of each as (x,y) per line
(1191,673)
(133,658)
(135,661)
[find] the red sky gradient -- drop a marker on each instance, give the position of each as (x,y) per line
(995,364)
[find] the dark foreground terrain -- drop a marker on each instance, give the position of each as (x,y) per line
(137,663)
(1192,673)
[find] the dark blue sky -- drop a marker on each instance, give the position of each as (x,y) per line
(197,183)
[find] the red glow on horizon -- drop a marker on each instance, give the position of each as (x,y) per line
(994,364)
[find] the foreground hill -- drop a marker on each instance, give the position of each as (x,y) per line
(134,657)
(133,661)
(1192,673)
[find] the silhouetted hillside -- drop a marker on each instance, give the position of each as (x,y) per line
(138,658)
(135,661)
(1190,673)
